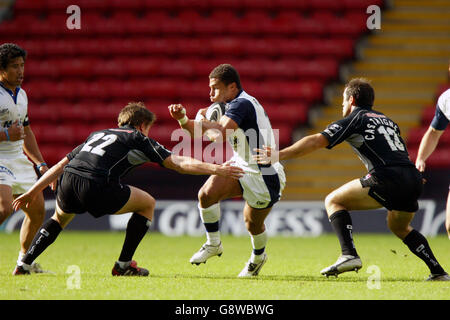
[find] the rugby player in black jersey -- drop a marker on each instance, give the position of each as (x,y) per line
(392,181)
(89,181)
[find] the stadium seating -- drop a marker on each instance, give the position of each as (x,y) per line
(161,52)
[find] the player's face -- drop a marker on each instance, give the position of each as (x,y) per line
(346,104)
(219,91)
(12,76)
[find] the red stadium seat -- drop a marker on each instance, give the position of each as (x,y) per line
(162,52)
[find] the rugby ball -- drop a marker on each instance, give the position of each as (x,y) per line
(215,111)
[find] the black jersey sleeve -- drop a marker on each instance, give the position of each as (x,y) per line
(154,151)
(340,130)
(74,152)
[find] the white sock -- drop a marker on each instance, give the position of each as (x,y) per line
(210,216)
(259,243)
(19,258)
(123,264)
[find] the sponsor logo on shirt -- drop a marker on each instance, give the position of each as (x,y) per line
(333,129)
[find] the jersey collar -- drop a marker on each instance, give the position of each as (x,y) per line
(12,94)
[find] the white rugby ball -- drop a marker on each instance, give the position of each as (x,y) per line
(215,111)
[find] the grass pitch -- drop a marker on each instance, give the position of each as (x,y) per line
(82,263)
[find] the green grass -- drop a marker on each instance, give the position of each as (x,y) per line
(291,273)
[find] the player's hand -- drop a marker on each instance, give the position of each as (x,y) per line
(201,114)
(266,155)
(23,201)
(420,165)
(228,170)
(16,132)
(177,111)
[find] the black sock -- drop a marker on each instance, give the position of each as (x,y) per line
(136,229)
(342,225)
(418,245)
(43,238)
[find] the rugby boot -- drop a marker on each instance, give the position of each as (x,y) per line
(344,263)
(206,251)
(20,270)
(439,277)
(131,270)
(252,269)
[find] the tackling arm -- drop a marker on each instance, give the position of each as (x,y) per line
(302,147)
(48,177)
(186,165)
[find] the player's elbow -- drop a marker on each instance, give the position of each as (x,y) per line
(318,141)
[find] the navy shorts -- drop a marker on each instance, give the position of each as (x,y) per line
(76,194)
(396,188)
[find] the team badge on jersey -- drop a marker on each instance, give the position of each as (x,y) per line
(332,129)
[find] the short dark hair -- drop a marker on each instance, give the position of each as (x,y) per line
(134,114)
(361,90)
(8,52)
(227,74)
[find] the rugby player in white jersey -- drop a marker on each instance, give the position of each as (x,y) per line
(17,141)
(245,124)
(431,138)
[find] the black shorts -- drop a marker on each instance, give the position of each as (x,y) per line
(76,194)
(396,188)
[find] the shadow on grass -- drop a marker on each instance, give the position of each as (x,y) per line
(287,278)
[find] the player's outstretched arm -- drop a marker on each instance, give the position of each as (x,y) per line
(48,177)
(427,145)
(187,165)
(304,146)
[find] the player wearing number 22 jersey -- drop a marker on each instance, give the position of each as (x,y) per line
(89,181)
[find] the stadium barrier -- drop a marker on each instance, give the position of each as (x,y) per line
(288,218)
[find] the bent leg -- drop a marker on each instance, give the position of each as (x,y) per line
(142,205)
(46,235)
(34,216)
(218,188)
(350,196)
(6,199)
(399,224)
(447,217)
(214,190)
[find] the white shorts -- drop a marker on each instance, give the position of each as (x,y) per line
(18,173)
(263,191)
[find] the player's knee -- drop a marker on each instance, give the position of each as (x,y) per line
(253,227)
(400,231)
(151,203)
(205,199)
(330,202)
(6,210)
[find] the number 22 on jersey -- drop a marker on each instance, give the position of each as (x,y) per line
(99,148)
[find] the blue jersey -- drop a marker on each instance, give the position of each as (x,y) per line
(254,130)
(442,115)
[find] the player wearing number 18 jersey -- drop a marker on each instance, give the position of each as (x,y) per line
(392,182)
